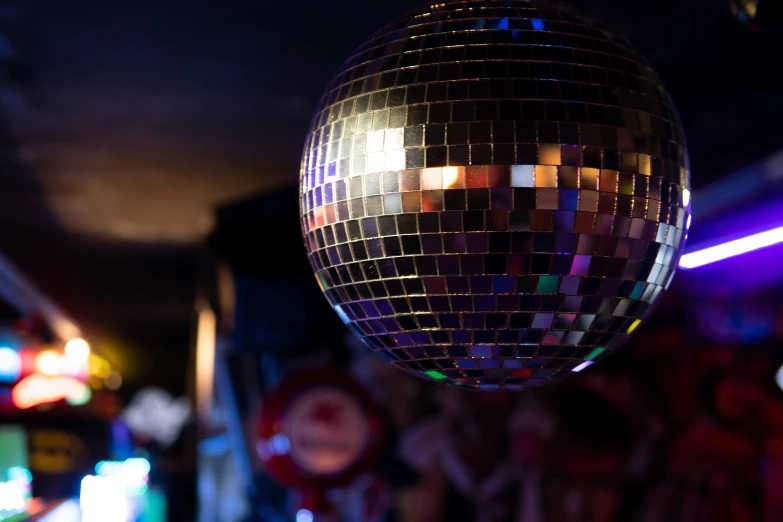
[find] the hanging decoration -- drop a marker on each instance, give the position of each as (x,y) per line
(318,430)
(495,194)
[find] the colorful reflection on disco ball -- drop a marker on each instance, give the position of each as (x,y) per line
(495,194)
(759,15)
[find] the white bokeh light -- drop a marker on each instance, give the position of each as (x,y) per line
(304,515)
(77,350)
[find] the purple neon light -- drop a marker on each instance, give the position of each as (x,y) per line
(732,248)
(582,366)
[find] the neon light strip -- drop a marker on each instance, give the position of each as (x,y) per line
(582,366)
(732,248)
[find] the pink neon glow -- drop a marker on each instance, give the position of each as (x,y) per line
(732,248)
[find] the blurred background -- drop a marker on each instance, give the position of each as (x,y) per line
(153,284)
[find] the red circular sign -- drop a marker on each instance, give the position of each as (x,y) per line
(318,429)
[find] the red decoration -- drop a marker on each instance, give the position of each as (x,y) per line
(318,429)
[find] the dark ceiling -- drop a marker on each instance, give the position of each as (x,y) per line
(136,120)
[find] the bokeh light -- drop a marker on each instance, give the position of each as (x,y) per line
(113,381)
(49,362)
(10,364)
(77,350)
(82,399)
(98,366)
(304,515)
(103,499)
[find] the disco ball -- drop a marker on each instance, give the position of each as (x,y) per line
(495,194)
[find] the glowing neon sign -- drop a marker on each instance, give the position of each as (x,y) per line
(39,389)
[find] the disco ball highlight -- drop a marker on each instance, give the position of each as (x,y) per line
(759,15)
(495,194)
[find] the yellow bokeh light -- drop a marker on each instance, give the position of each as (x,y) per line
(49,362)
(98,366)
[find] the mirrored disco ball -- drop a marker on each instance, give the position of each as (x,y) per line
(495,194)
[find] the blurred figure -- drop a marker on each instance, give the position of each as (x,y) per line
(711,478)
(713,468)
(648,433)
(669,371)
(369,498)
(592,443)
(513,492)
(394,490)
(399,392)
(454,451)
